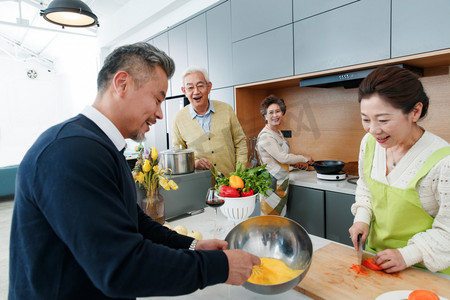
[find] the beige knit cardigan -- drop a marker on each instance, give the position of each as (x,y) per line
(224,146)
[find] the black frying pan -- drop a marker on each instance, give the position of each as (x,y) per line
(328,166)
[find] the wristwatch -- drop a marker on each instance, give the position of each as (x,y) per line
(193,244)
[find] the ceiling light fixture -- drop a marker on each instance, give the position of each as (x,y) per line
(70,13)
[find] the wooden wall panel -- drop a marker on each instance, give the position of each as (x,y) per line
(247,110)
(326,122)
(437,120)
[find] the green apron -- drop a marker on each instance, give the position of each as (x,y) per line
(398,213)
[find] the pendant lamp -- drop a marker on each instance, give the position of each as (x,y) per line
(70,13)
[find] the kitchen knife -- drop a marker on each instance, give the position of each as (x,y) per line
(186,214)
(360,251)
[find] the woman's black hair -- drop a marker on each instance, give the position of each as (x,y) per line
(398,86)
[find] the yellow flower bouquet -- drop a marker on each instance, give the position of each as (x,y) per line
(149,175)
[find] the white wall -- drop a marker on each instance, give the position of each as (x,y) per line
(30,106)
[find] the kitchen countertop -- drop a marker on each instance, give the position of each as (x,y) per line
(204,223)
(309,179)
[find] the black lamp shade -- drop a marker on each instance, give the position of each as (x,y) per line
(71,13)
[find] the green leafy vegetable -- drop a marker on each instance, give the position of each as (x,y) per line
(257,179)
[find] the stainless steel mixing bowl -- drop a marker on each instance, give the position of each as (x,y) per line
(275,237)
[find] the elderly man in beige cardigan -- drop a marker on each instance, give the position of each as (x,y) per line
(208,127)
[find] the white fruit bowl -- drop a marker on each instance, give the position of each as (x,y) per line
(238,209)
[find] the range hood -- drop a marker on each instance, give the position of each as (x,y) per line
(347,80)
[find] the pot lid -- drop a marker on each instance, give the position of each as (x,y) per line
(177,151)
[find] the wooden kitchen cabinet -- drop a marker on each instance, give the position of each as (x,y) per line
(419,26)
(177,51)
(352,34)
(251,17)
(197,48)
(307,8)
(307,207)
(220,60)
(338,217)
(264,56)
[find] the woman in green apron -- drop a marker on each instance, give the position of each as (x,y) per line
(273,150)
(402,205)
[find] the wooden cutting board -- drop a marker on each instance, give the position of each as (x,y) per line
(330,277)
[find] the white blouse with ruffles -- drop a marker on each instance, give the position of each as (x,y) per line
(432,247)
(274,149)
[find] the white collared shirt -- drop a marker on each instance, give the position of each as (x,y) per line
(106,125)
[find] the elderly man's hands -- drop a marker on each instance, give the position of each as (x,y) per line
(240,266)
(203,164)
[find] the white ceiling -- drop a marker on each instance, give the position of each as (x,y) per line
(25,35)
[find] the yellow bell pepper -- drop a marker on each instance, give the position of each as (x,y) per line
(236,182)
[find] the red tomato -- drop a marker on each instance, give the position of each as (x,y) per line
(246,194)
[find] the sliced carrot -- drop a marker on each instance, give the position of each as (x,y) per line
(370,264)
(422,295)
(358,270)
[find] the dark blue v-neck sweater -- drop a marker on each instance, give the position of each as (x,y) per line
(77,232)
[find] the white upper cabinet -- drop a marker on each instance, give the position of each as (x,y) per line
(244,41)
(265,56)
(197,48)
(251,17)
(178,52)
(352,34)
(225,95)
(220,58)
(162,42)
(420,26)
(307,8)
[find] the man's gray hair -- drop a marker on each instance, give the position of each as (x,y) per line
(138,60)
(193,69)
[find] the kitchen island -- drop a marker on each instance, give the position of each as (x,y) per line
(204,223)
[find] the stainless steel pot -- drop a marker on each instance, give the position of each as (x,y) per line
(180,161)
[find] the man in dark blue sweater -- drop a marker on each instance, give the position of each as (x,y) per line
(77,232)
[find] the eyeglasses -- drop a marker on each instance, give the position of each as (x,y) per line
(191,88)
